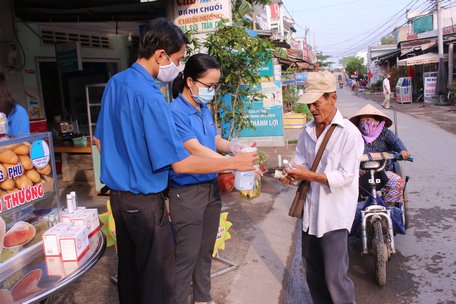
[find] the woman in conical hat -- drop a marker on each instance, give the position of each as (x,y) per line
(374,125)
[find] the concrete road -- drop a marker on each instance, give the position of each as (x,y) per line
(423,270)
(265,241)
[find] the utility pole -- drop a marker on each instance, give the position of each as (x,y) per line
(439,28)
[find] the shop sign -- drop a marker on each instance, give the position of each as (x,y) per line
(201,15)
(68,57)
(275,12)
(430,84)
(23,196)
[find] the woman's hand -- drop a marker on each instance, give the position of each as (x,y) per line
(405,155)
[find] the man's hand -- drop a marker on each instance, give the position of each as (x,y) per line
(286,180)
(244,161)
(298,172)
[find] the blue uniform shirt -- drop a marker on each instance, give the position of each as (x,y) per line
(18,121)
(193,123)
(138,137)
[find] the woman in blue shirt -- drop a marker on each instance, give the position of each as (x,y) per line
(194,198)
(18,121)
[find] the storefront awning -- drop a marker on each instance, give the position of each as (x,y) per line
(421,59)
(421,47)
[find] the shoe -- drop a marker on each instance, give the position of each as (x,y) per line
(382,105)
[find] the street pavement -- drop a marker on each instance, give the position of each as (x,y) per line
(265,241)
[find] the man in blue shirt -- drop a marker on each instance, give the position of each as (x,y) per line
(139,144)
(18,120)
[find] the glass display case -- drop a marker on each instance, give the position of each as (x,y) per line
(29,197)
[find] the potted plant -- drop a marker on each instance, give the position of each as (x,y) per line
(297,118)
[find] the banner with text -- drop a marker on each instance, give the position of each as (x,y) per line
(266,114)
(201,15)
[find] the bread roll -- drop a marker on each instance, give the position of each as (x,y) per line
(23,182)
(22,149)
(33,176)
(8,157)
(7,184)
(46,170)
(26,162)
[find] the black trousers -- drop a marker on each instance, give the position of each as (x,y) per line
(195,212)
(326,262)
(145,248)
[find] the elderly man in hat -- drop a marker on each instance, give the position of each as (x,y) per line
(331,200)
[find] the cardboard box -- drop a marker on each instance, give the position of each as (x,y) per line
(74,243)
(65,217)
(52,237)
(87,218)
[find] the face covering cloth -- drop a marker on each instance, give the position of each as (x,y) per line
(370,130)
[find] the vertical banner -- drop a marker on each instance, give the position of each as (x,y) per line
(266,114)
(201,15)
(430,85)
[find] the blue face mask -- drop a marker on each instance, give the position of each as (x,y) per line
(205,95)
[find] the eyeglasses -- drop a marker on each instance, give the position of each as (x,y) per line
(211,88)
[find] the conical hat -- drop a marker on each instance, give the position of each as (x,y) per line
(371,111)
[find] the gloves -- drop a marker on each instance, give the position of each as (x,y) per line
(235,147)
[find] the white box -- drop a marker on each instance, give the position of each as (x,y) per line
(88,218)
(74,243)
(51,239)
(65,217)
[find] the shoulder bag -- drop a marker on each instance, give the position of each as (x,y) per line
(297,207)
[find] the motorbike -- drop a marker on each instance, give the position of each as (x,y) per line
(379,222)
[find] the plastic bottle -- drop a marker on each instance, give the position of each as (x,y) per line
(287,164)
(245,180)
(75,199)
(70,204)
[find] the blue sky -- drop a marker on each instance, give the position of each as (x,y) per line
(343,28)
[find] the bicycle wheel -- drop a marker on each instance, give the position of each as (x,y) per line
(380,253)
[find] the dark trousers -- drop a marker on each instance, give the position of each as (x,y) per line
(195,212)
(326,263)
(145,248)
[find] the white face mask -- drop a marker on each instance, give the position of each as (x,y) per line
(168,73)
(205,95)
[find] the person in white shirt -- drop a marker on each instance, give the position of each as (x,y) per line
(386,92)
(331,200)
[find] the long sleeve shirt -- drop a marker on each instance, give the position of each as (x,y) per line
(331,207)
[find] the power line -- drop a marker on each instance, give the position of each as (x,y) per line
(397,15)
(363,45)
(325,7)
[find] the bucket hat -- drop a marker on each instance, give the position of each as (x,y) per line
(317,83)
(370,110)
